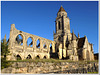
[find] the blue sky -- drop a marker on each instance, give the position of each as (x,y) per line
(38,18)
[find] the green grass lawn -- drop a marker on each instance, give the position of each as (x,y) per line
(92,72)
(40,60)
(51,60)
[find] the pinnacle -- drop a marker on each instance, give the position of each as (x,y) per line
(78,35)
(61,9)
(5,36)
(12,24)
(72,31)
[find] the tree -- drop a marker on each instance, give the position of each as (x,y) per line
(4,52)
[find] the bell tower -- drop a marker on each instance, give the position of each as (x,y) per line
(62,22)
(62,25)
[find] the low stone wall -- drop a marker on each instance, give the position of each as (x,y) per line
(47,67)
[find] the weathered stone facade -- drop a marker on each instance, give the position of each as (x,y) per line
(23,51)
(66,45)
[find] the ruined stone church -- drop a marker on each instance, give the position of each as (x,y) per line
(66,45)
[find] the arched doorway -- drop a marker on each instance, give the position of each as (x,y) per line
(37,57)
(18,57)
(29,57)
(44,57)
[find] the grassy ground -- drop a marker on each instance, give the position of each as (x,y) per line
(52,60)
(92,73)
(39,60)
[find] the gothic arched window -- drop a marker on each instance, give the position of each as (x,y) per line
(29,42)
(59,24)
(38,43)
(19,39)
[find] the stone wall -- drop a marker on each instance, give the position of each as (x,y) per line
(23,50)
(47,67)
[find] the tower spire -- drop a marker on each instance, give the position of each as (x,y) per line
(61,9)
(73,35)
(4,39)
(78,35)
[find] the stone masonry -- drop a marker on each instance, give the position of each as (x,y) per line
(51,68)
(23,51)
(66,45)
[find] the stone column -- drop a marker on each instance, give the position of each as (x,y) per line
(24,44)
(41,45)
(64,53)
(34,45)
(53,48)
(41,56)
(48,56)
(60,51)
(33,42)
(48,48)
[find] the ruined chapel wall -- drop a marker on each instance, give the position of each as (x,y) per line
(24,49)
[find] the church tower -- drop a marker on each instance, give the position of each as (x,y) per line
(62,22)
(62,25)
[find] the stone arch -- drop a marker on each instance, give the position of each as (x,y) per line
(19,39)
(38,43)
(18,57)
(29,57)
(37,56)
(44,57)
(30,41)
